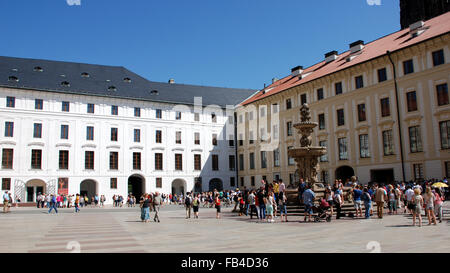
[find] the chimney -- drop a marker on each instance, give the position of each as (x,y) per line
(417,28)
(331,56)
(356,46)
(171,81)
(297,71)
(274,80)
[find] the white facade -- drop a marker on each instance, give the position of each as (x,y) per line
(24,115)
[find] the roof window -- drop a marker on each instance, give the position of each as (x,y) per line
(13,79)
(38,69)
(127,80)
(65,84)
(85,75)
(154,92)
(112,88)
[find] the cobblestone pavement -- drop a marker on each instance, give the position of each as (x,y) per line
(102,230)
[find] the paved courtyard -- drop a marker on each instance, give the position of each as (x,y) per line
(103,230)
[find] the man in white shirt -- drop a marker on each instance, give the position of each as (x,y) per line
(409,193)
(6,202)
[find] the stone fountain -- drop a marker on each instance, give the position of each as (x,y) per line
(307,156)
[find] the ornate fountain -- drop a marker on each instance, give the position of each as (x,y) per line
(307,156)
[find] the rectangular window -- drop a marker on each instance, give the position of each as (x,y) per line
(213,118)
(113,183)
(7,158)
(382,75)
(197,162)
(447,169)
(320,94)
(340,117)
(215,162)
(36,159)
(10,102)
(338,88)
(242,181)
(276,157)
(90,108)
(323,158)
(38,104)
(252,181)
(158,161)
(288,104)
(303,99)
(89,133)
(263,112)
(241,162)
(159,182)
(114,110)
(385,108)
(136,161)
(442,94)
(361,112)
(114,134)
(359,82)
(274,108)
(412,101)
(137,135)
(178,162)
(89,160)
(197,138)
(342,143)
(444,127)
(275,132)
(65,107)
(231,163)
(137,111)
(438,57)
(6,184)
(9,129)
(63,160)
(388,143)
(232,182)
(178,115)
(364,151)
(214,139)
(230,120)
(418,171)
(64,131)
(321,121)
(231,140)
(289,128)
(113,160)
(158,136)
(415,139)
(241,140)
(325,176)
(251,138)
(196,117)
(263,160)
(251,158)
(178,137)
(37,130)
(158,113)
(408,67)
(291,160)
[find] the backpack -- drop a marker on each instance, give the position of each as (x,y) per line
(187,201)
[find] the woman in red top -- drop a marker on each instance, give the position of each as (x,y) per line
(217,203)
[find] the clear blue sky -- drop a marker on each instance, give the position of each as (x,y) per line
(229,43)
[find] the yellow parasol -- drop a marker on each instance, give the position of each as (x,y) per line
(440,185)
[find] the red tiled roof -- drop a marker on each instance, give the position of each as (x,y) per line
(393,42)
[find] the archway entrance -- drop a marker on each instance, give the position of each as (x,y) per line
(136,186)
(215,184)
(88,188)
(33,188)
(382,176)
(178,187)
(344,173)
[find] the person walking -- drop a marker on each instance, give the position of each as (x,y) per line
(77,203)
(429,199)
(145,208)
(262,205)
(157,202)
(217,205)
(438,203)
(188,205)
(53,204)
(329,197)
(338,202)
(269,201)
(380,197)
(282,201)
(6,201)
(357,193)
(393,196)
(417,209)
(252,204)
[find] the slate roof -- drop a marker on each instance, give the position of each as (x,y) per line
(108,81)
(396,41)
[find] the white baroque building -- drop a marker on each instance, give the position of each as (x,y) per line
(70,128)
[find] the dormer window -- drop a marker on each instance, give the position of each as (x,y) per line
(85,75)
(112,88)
(65,84)
(154,92)
(38,69)
(127,80)
(13,79)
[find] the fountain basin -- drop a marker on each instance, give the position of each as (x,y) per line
(309,152)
